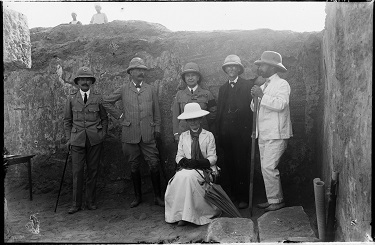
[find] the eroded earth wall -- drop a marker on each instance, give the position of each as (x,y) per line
(34,98)
(347,124)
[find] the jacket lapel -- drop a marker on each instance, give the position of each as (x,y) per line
(79,98)
(132,87)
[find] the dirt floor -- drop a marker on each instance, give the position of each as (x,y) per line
(113,221)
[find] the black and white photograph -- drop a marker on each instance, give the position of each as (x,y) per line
(175,122)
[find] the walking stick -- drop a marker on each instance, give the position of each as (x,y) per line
(253,136)
(62,180)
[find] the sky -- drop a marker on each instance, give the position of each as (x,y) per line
(183,16)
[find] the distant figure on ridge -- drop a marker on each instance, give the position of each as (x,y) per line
(75,21)
(99,18)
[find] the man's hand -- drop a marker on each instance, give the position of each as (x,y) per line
(68,145)
(256,91)
(157,135)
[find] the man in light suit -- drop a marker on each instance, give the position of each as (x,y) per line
(274,127)
(85,124)
(140,126)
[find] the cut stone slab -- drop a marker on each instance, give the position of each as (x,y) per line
(287,224)
(17,46)
(231,230)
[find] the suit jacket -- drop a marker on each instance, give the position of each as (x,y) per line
(274,114)
(243,99)
(82,119)
(201,96)
(141,113)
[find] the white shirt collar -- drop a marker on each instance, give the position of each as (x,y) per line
(195,88)
(139,84)
(272,77)
(83,93)
(235,80)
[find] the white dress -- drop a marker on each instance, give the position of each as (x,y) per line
(184,197)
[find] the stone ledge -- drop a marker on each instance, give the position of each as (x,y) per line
(287,224)
(231,230)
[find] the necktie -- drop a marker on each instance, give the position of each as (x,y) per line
(138,86)
(232,84)
(192,91)
(266,84)
(85,98)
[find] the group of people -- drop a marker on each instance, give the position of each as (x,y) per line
(195,114)
(98,18)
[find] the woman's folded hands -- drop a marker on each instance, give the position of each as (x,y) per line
(194,163)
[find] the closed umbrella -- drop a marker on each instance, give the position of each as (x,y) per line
(215,195)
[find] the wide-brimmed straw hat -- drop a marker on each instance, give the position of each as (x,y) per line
(233,59)
(190,67)
(192,110)
(271,58)
(136,62)
(84,72)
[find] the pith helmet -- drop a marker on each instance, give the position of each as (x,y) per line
(271,58)
(136,62)
(233,59)
(192,110)
(190,67)
(84,72)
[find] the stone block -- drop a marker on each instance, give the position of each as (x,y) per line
(231,230)
(17,46)
(287,224)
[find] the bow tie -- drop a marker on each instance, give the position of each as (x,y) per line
(232,83)
(138,86)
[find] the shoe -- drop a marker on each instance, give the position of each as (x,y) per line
(263,205)
(243,205)
(275,206)
(92,207)
(136,202)
(158,201)
(73,210)
(182,223)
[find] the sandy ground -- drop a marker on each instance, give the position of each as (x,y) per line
(112,222)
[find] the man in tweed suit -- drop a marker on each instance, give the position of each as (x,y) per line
(140,126)
(85,124)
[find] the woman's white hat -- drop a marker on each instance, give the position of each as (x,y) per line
(192,110)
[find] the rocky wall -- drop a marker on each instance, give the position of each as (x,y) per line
(16,40)
(34,99)
(347,126)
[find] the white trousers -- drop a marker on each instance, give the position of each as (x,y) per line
(270,154)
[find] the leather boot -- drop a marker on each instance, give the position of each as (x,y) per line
(136,178)
(155,179)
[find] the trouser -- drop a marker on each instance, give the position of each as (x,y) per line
(132,153)
(236,169)
(91,156)
(270,154)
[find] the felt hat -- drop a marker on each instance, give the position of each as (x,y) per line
(84,72)
(233,59)
(192,110)
(136,62)
(271,58)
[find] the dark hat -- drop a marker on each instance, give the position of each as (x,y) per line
(84,72)
(190,67)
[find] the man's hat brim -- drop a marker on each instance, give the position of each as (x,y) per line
(134,67)
(234,63)
(278,65)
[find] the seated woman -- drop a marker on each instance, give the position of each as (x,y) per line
(184,197)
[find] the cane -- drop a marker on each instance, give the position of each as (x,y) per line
(253,136)
(62,179)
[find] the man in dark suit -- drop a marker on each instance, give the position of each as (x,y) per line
(140,126)
(85,124)
(234,127)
